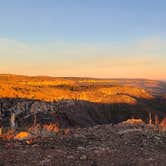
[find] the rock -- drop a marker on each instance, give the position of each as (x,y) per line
(83,157)
(22,136)
(79,136)
(80,148)
(97,152)
(156,137)
(70,157)
(44,162)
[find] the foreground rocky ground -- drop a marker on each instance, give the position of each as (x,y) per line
(102,145)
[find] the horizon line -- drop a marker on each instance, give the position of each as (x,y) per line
(81,77)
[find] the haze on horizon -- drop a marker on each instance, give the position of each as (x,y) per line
(90,38)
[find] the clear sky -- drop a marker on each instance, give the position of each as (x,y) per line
(92,38)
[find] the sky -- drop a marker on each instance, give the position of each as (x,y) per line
(85,38)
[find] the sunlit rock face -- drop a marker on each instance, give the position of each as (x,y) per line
(133,121)
(51,128)
(9,135)
(22,136)
(163,123)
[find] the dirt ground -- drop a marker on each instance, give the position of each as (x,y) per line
(102,145)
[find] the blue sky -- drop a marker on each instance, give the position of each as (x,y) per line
(82,20)
(80,25)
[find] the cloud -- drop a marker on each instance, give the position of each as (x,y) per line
(143,58)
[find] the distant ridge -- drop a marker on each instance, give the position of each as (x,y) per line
(49,87)
(76,77)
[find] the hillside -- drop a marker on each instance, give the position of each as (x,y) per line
(81,102)
(81,121)
(94,90)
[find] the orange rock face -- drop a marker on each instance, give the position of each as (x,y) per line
(9,135)
(51,128)
(163,123)
(22,135)
(133,121)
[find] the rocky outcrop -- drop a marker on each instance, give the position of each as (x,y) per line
(77,113)
(103,145)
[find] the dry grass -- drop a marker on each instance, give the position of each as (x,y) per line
(47,130)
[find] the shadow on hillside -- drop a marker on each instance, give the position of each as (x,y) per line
(77,113)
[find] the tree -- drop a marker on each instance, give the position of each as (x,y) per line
(12,120)
(156,120)
(150,118)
